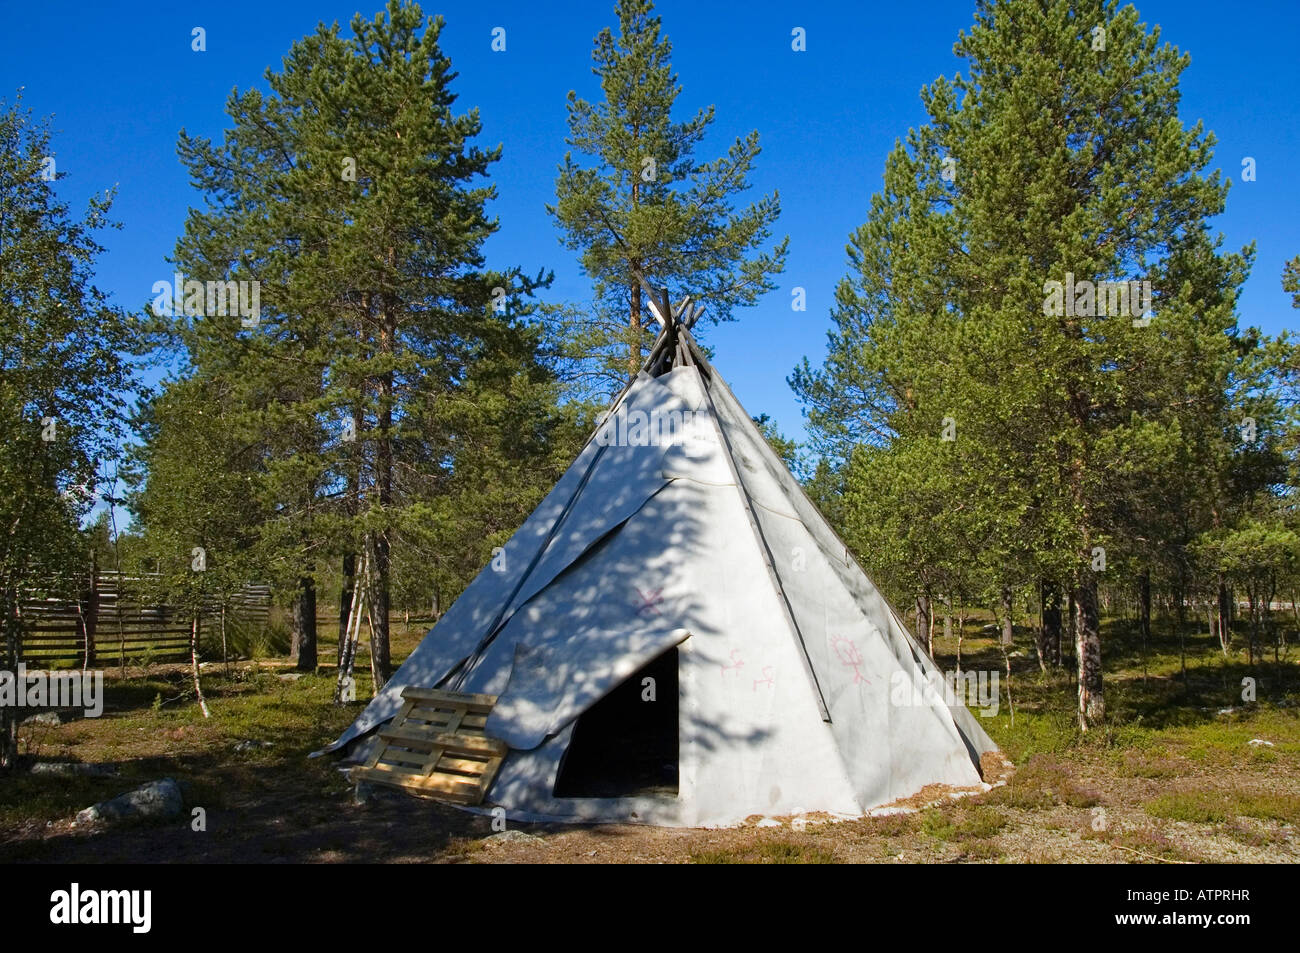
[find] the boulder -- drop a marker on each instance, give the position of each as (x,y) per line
(155,800)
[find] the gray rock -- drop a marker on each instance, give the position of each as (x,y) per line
(249,744)
(157,799)
(70,768)
(49,718)
(514,837)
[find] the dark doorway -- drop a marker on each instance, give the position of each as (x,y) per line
(623,746)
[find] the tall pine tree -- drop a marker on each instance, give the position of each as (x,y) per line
(354,194)
(976,316)
(636,201)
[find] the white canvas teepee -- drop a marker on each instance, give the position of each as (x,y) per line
(677,637)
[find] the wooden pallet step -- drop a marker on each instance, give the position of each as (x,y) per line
(460,791)
(477,703)
(453,741)
(424,711)
(465,766)
(435,746)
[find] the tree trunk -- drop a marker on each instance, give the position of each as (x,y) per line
(304,624)
(947,618)
(1144,606)
(1252,596)
(194,664)
(90,610)
(1008,609)
(922,624)
(8,716)
(634,330)
(961,632)
(377,583)
(1180,617)
(377,586)
(346,591)
(1049,633)
(1224,619)
(1087,635)
(1144,614)
(1068,635)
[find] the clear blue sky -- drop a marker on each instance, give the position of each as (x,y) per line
(121,81)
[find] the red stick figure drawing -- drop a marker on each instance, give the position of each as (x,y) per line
(849,656)
(649,599)
(769,678)
(735,665)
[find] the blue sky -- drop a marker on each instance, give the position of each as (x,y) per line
(122,80)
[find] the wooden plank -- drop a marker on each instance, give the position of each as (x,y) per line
(432,716)
(478,703)
(379,748)
(386,773)
(458,743)
(408,735)
(421,762)
(474,769)
(454,789)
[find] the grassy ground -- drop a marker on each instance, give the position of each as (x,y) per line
(1173,777)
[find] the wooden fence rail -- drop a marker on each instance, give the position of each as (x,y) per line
(104,618)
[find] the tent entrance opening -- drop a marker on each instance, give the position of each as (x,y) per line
(625,745)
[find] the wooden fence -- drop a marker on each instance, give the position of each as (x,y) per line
(104,618)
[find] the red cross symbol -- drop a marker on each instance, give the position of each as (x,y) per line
(649,599)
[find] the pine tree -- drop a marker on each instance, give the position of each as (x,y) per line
(641,205)
(1059,155)
(353,194)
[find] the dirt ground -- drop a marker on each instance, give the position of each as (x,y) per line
(1184,777)
(271,822)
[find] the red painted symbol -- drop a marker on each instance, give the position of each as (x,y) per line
(736,664)
(849,656)
(649,599)
(769,680)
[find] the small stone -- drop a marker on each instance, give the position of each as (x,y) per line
(515,837)
(70,768)
(248,744)
(289,676)
(47,718)
(157,799)
(768,822)
(1257,742)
